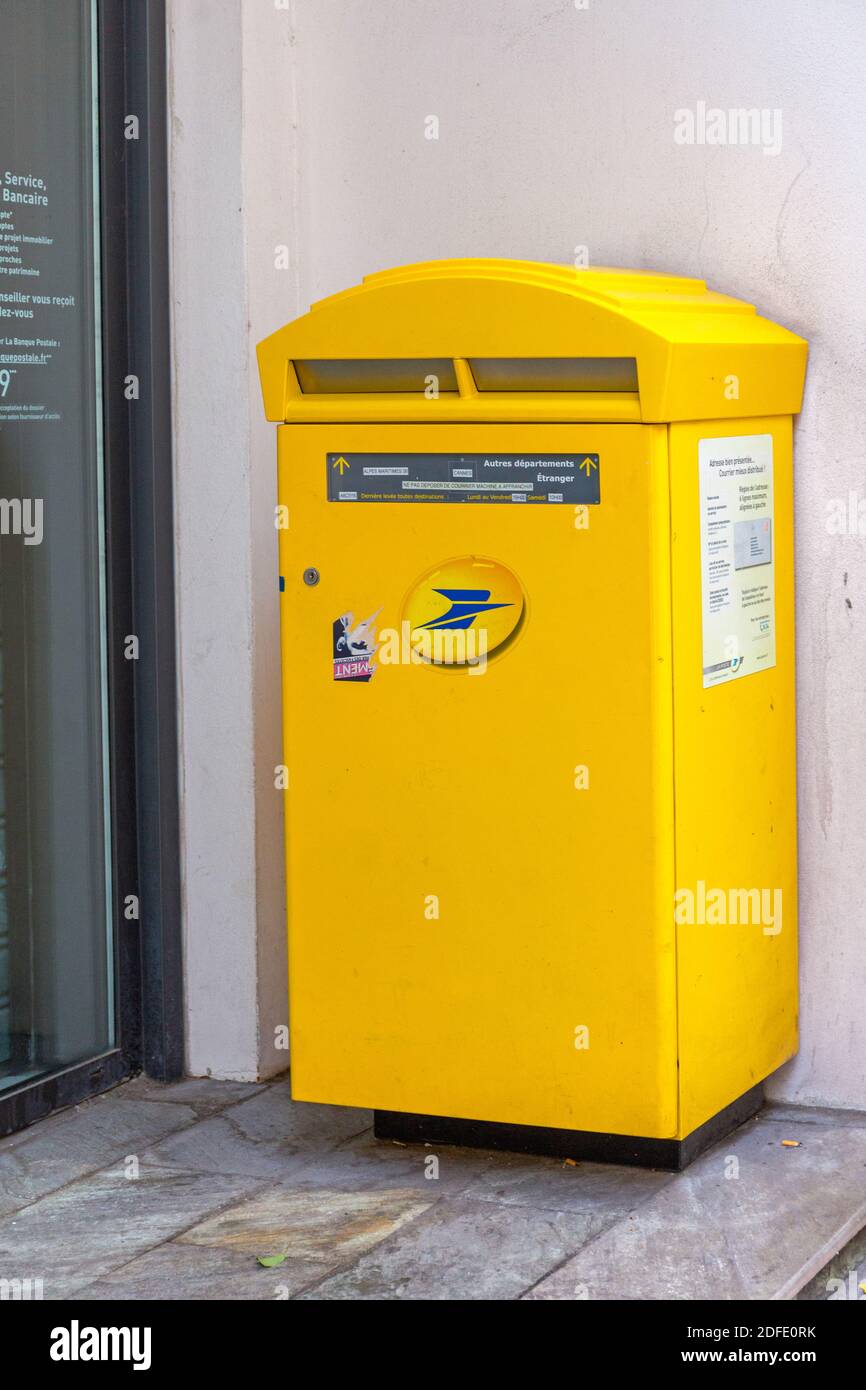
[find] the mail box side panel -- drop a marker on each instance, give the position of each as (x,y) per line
(735,757)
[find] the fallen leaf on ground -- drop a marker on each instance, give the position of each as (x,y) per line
(270,1261)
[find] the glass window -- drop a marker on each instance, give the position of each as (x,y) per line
(56,958)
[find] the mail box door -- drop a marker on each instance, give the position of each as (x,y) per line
(477,688)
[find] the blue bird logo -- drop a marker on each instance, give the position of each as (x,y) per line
(466,605)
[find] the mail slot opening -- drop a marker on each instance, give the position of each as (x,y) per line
(389,375)
(554,373)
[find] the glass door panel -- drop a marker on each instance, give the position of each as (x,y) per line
(56,957)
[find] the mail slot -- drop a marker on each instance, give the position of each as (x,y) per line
(538,680)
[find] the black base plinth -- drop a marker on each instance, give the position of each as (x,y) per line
(584,1145)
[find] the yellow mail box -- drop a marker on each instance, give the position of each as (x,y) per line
(536,561)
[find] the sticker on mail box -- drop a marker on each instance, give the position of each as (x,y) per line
(737,569)
(546,479)
(354,647)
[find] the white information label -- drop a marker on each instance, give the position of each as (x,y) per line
(737,564)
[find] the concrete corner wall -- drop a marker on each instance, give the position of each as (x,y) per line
(232,200)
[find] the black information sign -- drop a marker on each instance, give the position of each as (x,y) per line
(511,478)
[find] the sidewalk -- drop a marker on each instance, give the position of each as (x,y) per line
(155,1192)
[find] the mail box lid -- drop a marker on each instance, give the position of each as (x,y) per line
(496,339)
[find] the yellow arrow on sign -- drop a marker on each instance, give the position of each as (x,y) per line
(587,464)
(342,464)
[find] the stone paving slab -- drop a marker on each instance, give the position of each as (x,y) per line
(261,1136)
(484,1174)
(596,1189)
(752,1219)
(229,1171)
(463,1249)
(78,1234)
(328,1227)
(843,1278)
(363,1162)
(201,1093)
(179,1272)
(48,1155)
(794,1116)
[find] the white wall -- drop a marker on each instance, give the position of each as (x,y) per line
(231,129)
(556,131)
